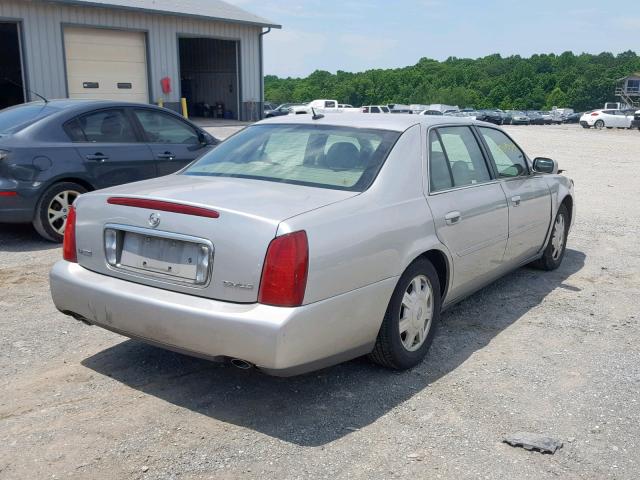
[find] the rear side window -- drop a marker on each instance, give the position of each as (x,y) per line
(375,110)
(455,159)
(509,159)
(103,126)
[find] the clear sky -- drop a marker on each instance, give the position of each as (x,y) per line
(356,35)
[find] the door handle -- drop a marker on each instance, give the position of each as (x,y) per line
(515,200)
(97,157)
(167,156)
(452,218)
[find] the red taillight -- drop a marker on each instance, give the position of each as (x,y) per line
(595,114)
(69,251)
(284,275)
(8,194)
(163,206)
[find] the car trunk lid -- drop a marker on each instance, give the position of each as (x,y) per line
(230,221)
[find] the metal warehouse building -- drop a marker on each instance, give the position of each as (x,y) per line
(208,51)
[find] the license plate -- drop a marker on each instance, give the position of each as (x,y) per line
(164,256)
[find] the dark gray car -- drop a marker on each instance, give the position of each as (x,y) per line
(52,152)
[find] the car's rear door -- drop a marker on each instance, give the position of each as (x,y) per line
(468,206)
(111,147)
(527,193)
(174,143)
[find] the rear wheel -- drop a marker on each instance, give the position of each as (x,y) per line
(556,247)
(52,209)
(599,124)
(411,318)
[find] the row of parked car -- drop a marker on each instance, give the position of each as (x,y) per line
(513,117)
(495,116)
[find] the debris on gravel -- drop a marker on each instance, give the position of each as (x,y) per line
(533,441)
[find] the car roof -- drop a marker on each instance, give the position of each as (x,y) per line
(71,103)
(398,122)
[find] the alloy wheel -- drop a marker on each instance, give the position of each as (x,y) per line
(416,313)
(58,209)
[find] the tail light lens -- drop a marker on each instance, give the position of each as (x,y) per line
(69,251)
(284,275)
(595,114)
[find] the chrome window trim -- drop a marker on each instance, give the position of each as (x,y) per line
(159,277)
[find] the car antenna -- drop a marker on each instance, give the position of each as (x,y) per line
(27,89)
(316,116)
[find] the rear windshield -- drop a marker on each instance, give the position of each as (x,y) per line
(340,158)
(16,118)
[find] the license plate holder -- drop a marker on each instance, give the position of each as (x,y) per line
(157,255)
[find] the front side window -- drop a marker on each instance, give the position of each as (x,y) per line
(163,128)
(455,159)
(375,110)
(340,158)
(104,126)
(509,159)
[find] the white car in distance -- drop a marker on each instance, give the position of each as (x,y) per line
(607,118)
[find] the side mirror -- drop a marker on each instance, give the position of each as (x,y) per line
(545,165)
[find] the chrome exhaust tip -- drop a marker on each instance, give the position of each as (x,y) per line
(241,364)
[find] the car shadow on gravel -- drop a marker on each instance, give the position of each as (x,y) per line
(22,238)
(320,407)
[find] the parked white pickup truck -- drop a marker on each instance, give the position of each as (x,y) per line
(324,106)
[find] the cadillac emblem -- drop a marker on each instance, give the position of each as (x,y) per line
(154,219)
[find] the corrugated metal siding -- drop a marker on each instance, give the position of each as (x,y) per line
(44,53)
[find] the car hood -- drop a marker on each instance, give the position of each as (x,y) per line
(267,200)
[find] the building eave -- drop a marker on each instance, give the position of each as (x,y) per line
(83,3)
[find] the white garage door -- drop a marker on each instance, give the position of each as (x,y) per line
(108,64)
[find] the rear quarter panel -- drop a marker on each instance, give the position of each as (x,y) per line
(373,236)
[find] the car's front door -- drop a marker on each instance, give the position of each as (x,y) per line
(528,195)
(468,206)
(173,142)
(109,145)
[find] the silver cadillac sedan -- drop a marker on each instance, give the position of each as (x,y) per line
(302,241)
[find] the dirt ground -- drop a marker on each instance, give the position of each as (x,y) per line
(555,353)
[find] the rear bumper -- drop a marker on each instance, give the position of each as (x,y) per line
(281,341)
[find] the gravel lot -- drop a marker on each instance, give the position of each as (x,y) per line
(555,353)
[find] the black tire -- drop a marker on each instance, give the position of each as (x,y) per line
(389,350)
(599,124)
(49,229)
(548,261)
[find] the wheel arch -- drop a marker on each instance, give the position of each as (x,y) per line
(72,179)
(567,201)
(442,264)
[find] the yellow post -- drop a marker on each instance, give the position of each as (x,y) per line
(160,103)
(183,103)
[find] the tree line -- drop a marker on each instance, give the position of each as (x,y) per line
(542,81)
